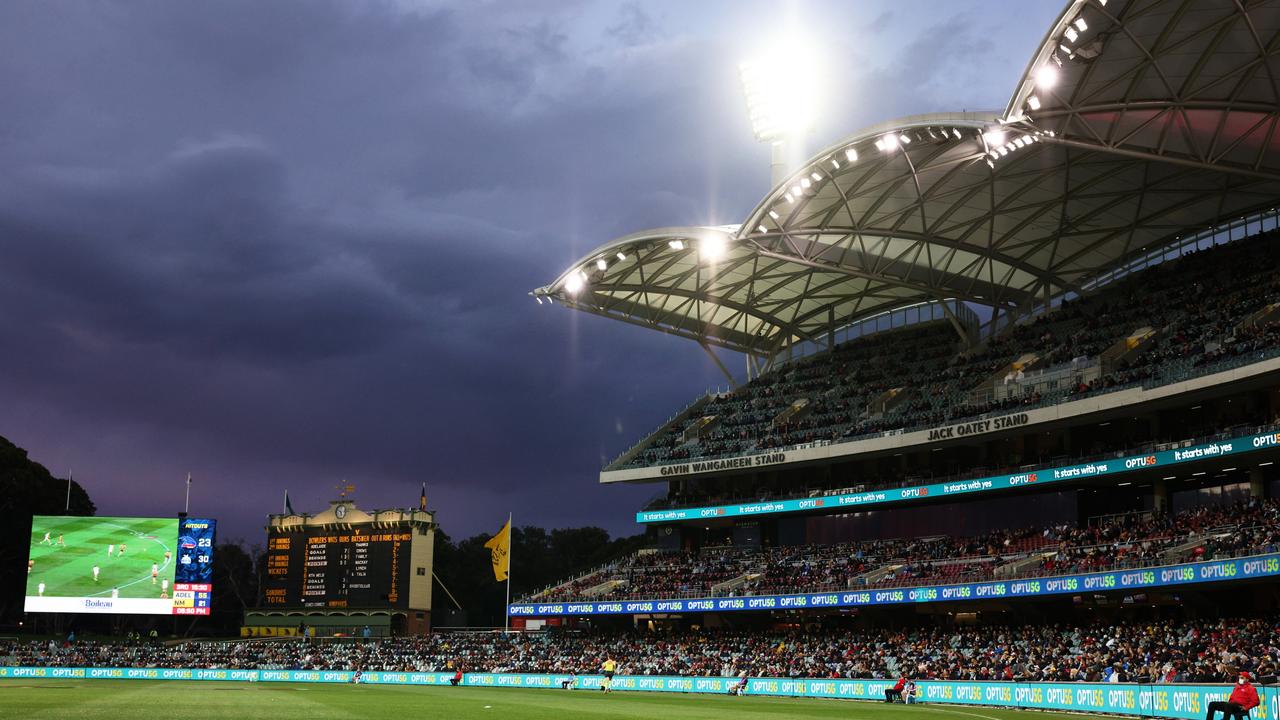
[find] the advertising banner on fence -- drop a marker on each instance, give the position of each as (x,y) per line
(1185,702)
(1256,566)
(1114,466)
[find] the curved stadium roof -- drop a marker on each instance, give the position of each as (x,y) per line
(1135,121)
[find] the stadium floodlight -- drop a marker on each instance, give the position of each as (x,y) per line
(887,143)
(780,100)
(601,265)
(781,86)
(1046,76)
(851,155)
(675,244)
(621,256)
(993,137)
(573,284)
(1033,102)
(714,247)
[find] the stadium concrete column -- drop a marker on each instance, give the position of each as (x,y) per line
(1160,495)
(778,165)
(831,330)
(1257,483)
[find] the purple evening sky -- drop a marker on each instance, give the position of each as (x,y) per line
(282,244)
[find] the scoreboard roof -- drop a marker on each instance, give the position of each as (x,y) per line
(1135,121)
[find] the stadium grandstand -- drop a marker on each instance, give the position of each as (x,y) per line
(1193,651)
(1011,410)
(1001,366)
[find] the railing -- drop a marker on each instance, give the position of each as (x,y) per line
(1122,564)
(917,480)
(1168,374)
(600,568)
(1049,380)
(647,438)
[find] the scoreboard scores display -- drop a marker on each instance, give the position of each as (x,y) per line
(328,568)
(140,566)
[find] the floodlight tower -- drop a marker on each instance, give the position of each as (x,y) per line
(781,94)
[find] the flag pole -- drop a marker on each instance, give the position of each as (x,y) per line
(67,511)
(506,609)
(186,505)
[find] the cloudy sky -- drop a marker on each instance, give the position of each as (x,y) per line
(283,244)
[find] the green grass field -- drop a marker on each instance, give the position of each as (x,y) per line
(131,699)
(66,568)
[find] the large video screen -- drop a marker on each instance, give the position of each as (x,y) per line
(138,566)
(348,569)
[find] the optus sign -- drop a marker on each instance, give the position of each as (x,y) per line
(1143,578)
(1235,446)
(1183,702)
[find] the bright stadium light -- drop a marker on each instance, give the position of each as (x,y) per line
(1046,76)
(781,86)
(781,92)
(621,256)
(675,244)
(714,247)
(601,265)
(993,137)
(573,284)
(888,143)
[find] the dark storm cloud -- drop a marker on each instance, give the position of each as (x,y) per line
(283,244)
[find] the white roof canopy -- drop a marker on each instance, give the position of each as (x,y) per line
(1160,119)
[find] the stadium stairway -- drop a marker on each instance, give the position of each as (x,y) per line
(875,576)
(723,589)
(1182,551)
(675,421)
(1014,567)
(1127,349)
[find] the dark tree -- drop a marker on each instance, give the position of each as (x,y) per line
(26,489)
(538,559)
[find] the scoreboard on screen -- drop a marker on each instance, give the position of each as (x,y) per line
(338,568)
(142,566)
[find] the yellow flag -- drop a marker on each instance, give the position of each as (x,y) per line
(500,550)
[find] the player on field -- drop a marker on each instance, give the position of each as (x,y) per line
(95,573)
(155,573)
(61,542)
(608,666)
(120,552)
(40,589)
(47,539)
(110,551)
(164,588)
(30,564)
(167,555)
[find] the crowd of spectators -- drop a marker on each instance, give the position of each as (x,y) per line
(923,376)
(1123,541)
(1208,651)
